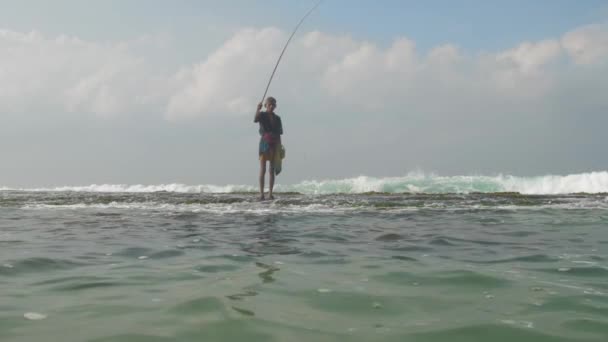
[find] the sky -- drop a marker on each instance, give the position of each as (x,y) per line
(157,92)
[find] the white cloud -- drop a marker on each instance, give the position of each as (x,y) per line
(588,44)
(361,74)
(41,73)
(446,54)
(530,57)
(223,83)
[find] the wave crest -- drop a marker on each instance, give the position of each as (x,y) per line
(591,182)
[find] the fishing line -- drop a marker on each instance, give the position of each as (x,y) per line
(285,48)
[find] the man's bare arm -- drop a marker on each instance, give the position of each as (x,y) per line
(257,113)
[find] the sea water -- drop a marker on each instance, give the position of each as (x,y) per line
(415,258)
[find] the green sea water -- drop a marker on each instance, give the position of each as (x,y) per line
(162,266)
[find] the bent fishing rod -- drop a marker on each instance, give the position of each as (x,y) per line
(285,47)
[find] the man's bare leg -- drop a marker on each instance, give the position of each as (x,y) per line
(271,181)
(262,175)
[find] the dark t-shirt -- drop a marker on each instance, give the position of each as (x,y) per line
(270,126)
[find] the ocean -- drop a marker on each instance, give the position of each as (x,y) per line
(412,258)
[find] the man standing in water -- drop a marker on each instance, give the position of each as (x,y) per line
(271,130)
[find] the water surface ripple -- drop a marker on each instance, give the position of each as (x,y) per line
(82,266)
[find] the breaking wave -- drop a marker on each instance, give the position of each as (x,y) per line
(591,182)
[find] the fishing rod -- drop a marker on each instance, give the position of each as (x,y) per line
(285,48)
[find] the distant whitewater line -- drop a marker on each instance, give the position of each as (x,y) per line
(591,182)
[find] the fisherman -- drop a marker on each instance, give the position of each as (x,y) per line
(270,150)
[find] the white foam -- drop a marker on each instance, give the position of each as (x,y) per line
(138,188)
(526,324)
(591,182)
(34,316)
(254,208)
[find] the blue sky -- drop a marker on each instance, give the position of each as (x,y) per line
(473,24)
(125,91)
